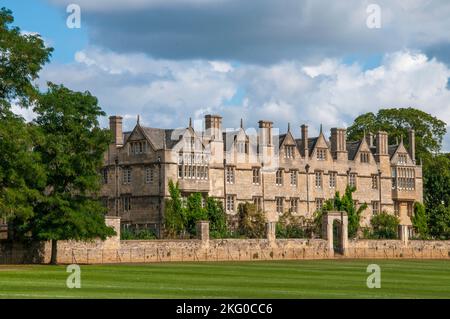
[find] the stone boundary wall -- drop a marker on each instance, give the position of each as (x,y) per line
(114,250)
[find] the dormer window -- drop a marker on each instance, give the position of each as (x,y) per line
(402,159)
(321,154)
(289,151)
(364,157)
(241,147)
(139,147)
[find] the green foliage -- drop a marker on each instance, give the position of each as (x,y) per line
(439,222)
(141,234)
(71,152)
(217,218)
(21,58)
(290,226)
(22,177)
(344,203)
(396,122)
(420,220)
(194,212)
(174,213)
(436,179)
(252,222)
(384,226)
(180,220)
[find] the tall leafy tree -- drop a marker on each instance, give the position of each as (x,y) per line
(21,58)
(21,176)
(72,154)
(420,220)
(396,122)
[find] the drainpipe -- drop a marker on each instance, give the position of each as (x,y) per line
(307,188)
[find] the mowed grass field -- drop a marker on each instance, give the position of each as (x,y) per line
(274,279)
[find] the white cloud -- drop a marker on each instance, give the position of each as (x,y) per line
(166,93)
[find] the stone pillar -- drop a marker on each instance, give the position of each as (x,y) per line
(344,224)
(403,231)
(203,232)
(271,231)
(114,241)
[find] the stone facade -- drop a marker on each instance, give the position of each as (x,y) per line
(278,172)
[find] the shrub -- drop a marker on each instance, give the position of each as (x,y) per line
(252,222)
(142,234)
(420,220)
(290,226)
(384,226)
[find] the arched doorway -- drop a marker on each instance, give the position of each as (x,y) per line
(335,231)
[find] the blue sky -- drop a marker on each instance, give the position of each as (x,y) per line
(312,62)
(49,21)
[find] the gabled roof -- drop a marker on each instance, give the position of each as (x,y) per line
(352,149)
(392,149)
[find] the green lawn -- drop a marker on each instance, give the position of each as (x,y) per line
(274,279)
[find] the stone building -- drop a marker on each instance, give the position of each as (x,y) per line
(277,172)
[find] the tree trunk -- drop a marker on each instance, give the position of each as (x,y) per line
(54,252)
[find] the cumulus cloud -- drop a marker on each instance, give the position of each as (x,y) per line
(265,31)
(166,93)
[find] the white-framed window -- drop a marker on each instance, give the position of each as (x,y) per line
(293,205)
(126,203)
(279,177)
(126,175)
(289,151)
(256,175)
(396,208)
(293,178)
(229,174)
(321,154)
(374,181)
(319,204)
(149,174)
(230,203)
(318,179)
(257,200)
(375,207)
(332,176)
(352,179)
(279,203)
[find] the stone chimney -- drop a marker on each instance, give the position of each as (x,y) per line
(338,141)
(213,126)
(304,130)
(115,125)
(265,133)
(369,139)
(412,144)
(382,143)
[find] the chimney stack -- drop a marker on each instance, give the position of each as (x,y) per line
(115,125)
(369,139)
(213,126)
(412,144)
(382,143)
(265,132)
(338,141)
(304,129)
